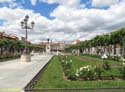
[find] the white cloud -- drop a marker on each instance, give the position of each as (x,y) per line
(14,17)
(68,3)
(68,24)
(89,20)
(103,3)
(33,2)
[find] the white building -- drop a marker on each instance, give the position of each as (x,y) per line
(52,47)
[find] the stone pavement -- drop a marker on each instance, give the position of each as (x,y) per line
(15,75)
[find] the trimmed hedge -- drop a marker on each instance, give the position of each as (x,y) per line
(8,57)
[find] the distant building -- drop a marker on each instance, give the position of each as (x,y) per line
(3,35)
(76,42)
(54,47)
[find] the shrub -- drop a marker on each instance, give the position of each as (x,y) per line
(67,67)
(72,75)
(9,56)
(106,65)
(122,70)
(98,71)
(86,72)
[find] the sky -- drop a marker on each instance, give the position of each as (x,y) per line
(62,20)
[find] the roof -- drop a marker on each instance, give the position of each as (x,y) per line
(11,36)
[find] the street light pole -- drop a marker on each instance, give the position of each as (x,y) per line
(123,47)
(24,25)
(48,47)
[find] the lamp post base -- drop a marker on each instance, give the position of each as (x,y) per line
(25,58)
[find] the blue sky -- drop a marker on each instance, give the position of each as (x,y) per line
(44,8)
(62,20)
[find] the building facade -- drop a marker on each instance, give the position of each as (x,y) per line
(52,47)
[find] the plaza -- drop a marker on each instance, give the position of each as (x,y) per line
(15,75)
(62,45)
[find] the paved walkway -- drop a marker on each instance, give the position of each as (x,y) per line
(15,75)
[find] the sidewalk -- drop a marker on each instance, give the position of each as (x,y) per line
(15,75)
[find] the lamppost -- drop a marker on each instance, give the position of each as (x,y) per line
(123,47)
(25,57)
(48,48)
(48,40)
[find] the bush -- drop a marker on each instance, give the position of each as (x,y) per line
(86,72)
(72,75)
(9,56)
(67,67)
(114,58)
(122,70)
(98,71)
(106,65)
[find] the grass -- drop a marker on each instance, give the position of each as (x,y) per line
(52,77)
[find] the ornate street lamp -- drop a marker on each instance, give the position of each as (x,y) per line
(48,47)
(48,40)
(24,25)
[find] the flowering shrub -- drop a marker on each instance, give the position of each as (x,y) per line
(90,72)
(123,67)
(115,58)
(122,59)
(106,64)
(104,56)
(67,68)
(123,70)
(86,72)
(98,71)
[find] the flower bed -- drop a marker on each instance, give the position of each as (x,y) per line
(90,72)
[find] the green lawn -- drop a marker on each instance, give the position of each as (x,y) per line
(52,77)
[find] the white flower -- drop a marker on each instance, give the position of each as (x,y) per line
(62,61)
(66,62)
(81,68)
(123,63)
(77,74)
(95,73)
(104,56)
(88,69)
(122,59)
(70,61)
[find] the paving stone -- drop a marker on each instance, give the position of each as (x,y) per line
(15,75)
